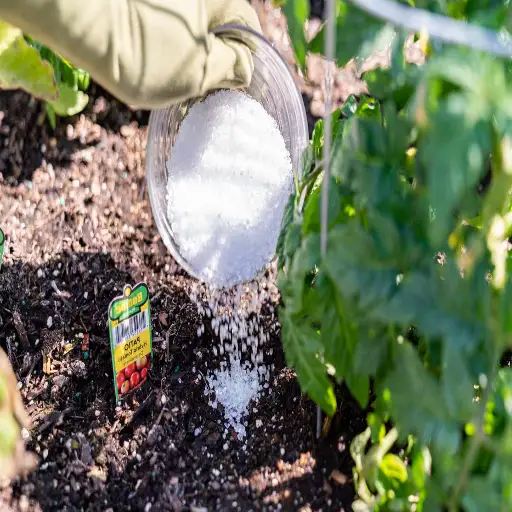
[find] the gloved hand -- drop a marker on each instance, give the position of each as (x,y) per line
(147,53)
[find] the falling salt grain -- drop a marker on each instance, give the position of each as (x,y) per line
(230,177)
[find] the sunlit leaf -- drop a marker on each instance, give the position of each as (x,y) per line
(21,65)
(70,102)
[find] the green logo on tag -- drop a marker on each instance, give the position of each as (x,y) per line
(129,325)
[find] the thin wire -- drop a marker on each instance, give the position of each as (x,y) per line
(330,44)
(439,27)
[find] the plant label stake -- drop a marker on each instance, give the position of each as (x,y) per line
(129,325)
(2,243)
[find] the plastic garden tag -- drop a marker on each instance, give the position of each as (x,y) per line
(2,243)
(129,325)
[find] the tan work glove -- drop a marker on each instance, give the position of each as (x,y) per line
(147,53)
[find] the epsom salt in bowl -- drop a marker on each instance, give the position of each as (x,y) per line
(220,169)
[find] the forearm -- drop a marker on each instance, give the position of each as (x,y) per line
(126,45)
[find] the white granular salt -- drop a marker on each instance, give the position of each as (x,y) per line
(236,384)
(230,176)
(241,325)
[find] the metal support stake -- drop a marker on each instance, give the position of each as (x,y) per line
(330,44)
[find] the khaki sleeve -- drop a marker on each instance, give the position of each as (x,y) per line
(147,53)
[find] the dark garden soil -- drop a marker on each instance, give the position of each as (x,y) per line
(76,215)
(75,210)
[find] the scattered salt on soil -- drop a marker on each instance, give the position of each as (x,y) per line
(242,327)
(236,384)
(230,176)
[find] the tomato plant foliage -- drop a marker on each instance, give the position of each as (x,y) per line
(413,297)
(29,65)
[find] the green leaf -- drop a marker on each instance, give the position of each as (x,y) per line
(50,115)
(297,12)
(377,427)
(417,403)
(21,65)
(350,106)
(457,384)
(354,265)
(292,239)
(317,138)
(371,351)
(470,72)
(312,208)
(301,346)
(480,495)
(421,467)
(357,34)
(340,339)
(393,468)
(457,147)
(63,70)
(70,102)
(445,308)
(285,223)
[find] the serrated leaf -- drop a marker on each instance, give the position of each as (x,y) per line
(340,340)
(359,386)
(70,101)
(437,308)
(371,351)
(457,384)
(353,263)
(456,151)
(21,65)
(297,12)
(416,402)
(301,346)
(357,34)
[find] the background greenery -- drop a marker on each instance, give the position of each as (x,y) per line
(411,305)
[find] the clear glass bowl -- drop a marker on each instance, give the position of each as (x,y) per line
(272,85)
